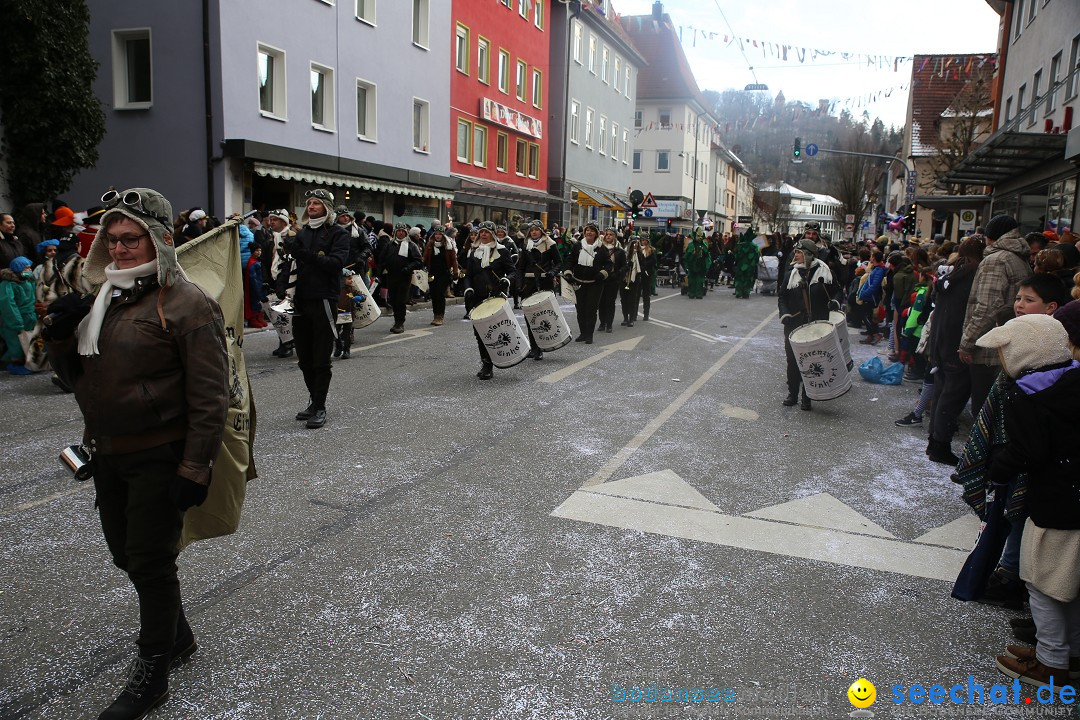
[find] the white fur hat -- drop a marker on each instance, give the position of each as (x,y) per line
(1029,342)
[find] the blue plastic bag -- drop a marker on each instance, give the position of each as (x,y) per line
(873,370)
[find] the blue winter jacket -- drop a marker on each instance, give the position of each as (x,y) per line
(870,292)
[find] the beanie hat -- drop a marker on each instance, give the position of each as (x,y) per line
(63,217)
(326,198)
(342,210)
(19,264)
(153,212)
(999,225)
(588,225)
(487,225)
(536,224)
(281,214)
(1069,316)
(1028,342)
(196,215)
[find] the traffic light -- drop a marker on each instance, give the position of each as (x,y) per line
(635,211)
(670,224)
(796,150)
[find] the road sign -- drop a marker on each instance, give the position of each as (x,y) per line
(811,149)
(648,212)
(849,219)
(849,228)
(909,189)
(967,220)
(636,197)
(648,202)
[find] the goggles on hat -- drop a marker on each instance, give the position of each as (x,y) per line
(134,200)
(812,226)
(320,194)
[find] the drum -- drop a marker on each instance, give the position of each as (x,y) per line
(280,315)
(420,280)
(820,360)
(839,321)
(500,331)
(367,311)
(568,292)
(546,320)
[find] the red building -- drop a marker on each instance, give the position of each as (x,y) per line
(499,82)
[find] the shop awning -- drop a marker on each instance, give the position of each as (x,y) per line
(952,203)
(482,192)
(319,177)
(591,198)
(1005,155)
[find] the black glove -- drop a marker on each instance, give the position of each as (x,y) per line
(64,315)
(185,493)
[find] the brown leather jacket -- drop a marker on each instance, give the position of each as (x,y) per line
(162,375)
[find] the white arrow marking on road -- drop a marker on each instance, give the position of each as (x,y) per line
(821,510)
(960,533)
(569,370)
(409,335)
(664,504)
(698,333)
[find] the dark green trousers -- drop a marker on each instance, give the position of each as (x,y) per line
(142,529)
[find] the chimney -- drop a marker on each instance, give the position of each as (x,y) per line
(658,10)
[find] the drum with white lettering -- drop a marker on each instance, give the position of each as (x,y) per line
(546,320)
(500,331)
(839,321)
(821,360)
(365,311)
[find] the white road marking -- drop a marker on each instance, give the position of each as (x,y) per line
(569,370)
(824,511)
(961,533)
(47,499)
(737,412)
(604,474)
(697,333)
(408,335)
(664,504)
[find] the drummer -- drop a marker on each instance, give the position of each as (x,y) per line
(489,272)
(537,267)
(587,267)
(805,295)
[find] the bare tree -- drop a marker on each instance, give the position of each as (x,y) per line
(773,210)
(848,181)
(963,127)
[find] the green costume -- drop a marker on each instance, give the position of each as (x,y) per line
(696,261)
(16,311)
(746,262)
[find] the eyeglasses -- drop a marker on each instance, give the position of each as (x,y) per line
(812,226)
(320,194)
(129,241)
(133,200)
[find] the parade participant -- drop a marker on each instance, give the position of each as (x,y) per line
(537,266)
(696,261)
(16,312)
(746,264)
(489,272)
(319,250)
(440,259)
(635,275)
(648,269)
(587,267)
(614,282)
(283,277)
(805,295)
(148,364)
(565,244)
(399,258)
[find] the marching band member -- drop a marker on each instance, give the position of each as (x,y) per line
(399,258)
(648,269)
(489,272)
(614,282)
(588,266)
(440,259)
(283,275)
(636,276)
(806,295)
(537,266)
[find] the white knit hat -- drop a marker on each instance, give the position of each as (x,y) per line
(1028,342)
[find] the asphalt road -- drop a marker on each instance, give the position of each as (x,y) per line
(526,547)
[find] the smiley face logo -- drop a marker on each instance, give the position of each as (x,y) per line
(862,693)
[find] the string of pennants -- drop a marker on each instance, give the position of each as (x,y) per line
(949,67)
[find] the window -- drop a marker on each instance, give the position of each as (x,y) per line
(602,143)
(479,145)
(1055,68)
(133,87)
(1020,100)
(637,161)
(588,127)
(461,49)
(483,61)
(504,71)
(575,111)
(626,81)
(1018,18)
(1008,109)
(625,146)
(637,118)
(322,97)
(665,117)
(538,14)
(365,10)
(1073,70)
(577,42)
(365,110)
(663,160)
(537,88)
(521,158)
(604,64)
(271,69)
(420,125)
(523,8)
(507,3)
(1033,6)
(615,74)
(522,69)
(1036,81)
(420,23)
(464,135)
(592,54)
(614,141)
(534,160)
(501,151)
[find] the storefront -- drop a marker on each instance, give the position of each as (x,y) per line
(500,203)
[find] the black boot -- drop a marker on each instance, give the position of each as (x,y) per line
(539,354)
(337,348)
(791,399)
(184,646)
(940,451)
(147,687)
(804,403)
(317,419)
(307,412)
(284,350)
(486,371)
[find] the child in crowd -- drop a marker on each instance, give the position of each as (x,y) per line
(16,312)
(345,307)
(253,285)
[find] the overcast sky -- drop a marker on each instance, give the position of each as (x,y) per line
(875,27)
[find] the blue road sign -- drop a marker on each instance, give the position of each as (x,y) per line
(811,149)
(648,212)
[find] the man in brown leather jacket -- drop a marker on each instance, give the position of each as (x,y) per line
(149,368)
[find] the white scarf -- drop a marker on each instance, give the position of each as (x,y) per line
(585,256)
(635,267)
(316,223)
(819,272)
(485,253)
(403,247)
(542,244)
(90,328)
